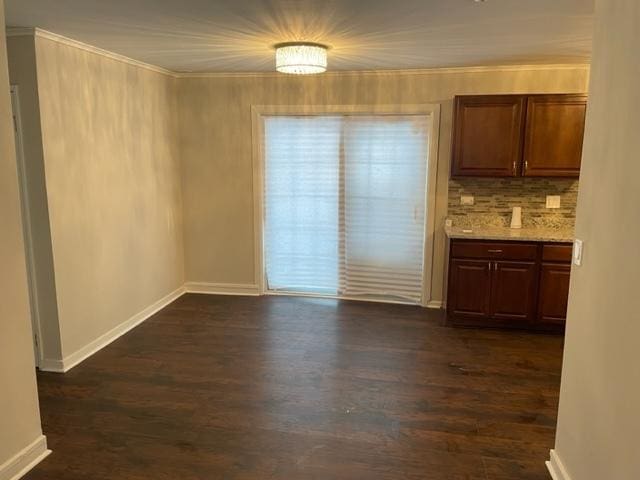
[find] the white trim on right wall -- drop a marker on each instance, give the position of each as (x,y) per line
(556,467)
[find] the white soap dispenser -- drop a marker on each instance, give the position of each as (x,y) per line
(516,217)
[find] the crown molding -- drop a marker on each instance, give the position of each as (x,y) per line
(54,37)
(38,32)
(20,31)
(413,71)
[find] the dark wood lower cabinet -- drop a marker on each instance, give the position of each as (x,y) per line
(554,293)
(508,284)
(470,296)
(513,291)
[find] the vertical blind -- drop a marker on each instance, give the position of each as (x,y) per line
(345,205)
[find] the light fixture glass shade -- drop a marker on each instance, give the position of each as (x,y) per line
(301,58)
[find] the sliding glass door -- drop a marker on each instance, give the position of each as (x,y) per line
(344,199)
(302,203)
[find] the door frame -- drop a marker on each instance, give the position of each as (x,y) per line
(257,136)
(26,224)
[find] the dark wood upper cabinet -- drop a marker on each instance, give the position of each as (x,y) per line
(553,135)
(518,135)
(487,136)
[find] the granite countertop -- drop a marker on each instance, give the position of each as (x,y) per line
(528,234)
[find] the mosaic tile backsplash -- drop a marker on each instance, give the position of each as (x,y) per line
(495,198)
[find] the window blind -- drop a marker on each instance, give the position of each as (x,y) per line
(345,205)
(301,235)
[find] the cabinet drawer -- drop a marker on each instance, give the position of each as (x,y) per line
(557,253)
(494,250)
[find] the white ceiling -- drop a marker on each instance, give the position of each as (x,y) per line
(237,35)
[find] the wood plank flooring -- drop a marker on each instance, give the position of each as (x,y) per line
(253,388)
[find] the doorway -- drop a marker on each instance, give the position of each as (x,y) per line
(346,201)
(26,223)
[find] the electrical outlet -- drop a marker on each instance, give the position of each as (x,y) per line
(466,200)
(553,201)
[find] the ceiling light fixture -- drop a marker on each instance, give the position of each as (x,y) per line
(301,58)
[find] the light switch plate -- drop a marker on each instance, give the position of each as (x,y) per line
(466,200)
(577,252)
(553,201)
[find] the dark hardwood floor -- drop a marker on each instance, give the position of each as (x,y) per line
(239,388)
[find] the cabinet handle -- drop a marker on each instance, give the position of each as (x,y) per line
(497,250)
(490,266)
(526,164)
(514,167)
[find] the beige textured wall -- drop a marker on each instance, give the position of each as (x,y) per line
(215,132)
(113,184)
(22,72)
(598,434)
(19,413)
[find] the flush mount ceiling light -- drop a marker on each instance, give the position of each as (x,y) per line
(301,58)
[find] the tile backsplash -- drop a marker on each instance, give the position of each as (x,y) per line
(494,199)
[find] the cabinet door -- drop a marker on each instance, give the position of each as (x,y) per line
(469,288)
(487,135)
(554,293)
(513,291)
(553,135)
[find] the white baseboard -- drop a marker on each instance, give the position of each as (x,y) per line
(222,288)
(51,365)
(27,458)
(556,467)
(70,361)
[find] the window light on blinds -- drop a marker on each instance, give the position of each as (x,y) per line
(345,205)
